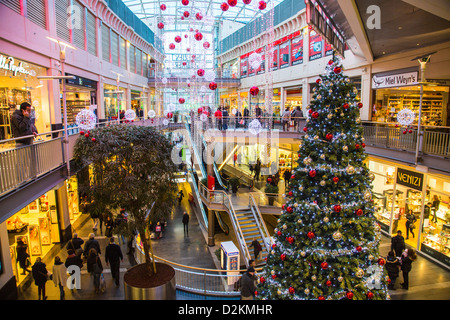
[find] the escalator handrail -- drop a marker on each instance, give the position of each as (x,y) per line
(225,228)
(197,193)
(216,171)
(199,160)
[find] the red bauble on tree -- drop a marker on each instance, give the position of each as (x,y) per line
(337,70)
(349,295)
(369,295)
(254,91)
(315,115)
(283,257)
(329,136)
(335,179)
(290,240)
(312,173)
(213,86)
(360,105)
(324,265)
(291,290)
(224,6)
(337,208)
(93,139)
(345,106)
(359,212)
(289,209)
(311,235)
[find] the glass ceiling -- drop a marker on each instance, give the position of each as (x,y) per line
(150,13)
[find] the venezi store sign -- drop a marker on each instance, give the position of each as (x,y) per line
(410,179)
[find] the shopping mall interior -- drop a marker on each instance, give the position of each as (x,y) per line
(234,86)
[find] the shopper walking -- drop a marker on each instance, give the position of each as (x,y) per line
(256,248)
(113,257)
(287,177)
(75,244)
(286,119)
(186,223)
(393,268)
(91,244)
(95,268)
(435,207)
(398,244)
(109,224)
(22,256)
(59,276)
(40,276)
(248,284)
(408,257)
(410,223)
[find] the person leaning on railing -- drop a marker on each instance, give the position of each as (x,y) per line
(22,125)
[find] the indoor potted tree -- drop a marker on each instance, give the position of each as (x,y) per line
(133,170)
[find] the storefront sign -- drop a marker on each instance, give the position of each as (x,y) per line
(82,82)
(8,63)
(315,45)
(244,67)
(395,80)
(410,179)
(297,50)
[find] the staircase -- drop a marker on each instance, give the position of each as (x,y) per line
(250,230)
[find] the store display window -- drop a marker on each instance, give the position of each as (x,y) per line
(73,198)
(19,83)
(113,101)
(389,101)
(383,194)
(33,231)
(435,237)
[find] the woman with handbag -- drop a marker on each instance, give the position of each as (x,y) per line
(59,276)
(22,256)
(95,268)
(40,276)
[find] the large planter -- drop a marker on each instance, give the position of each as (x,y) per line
(139,286)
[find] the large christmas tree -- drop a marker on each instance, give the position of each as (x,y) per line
(326,241)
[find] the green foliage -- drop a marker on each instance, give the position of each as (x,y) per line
(270,188)
(131,169)
(327,239)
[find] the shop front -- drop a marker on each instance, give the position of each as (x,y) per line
(138,101)
(114,101)
(398,90)
(36,227)
(81,93)
(19,83)
(414,202)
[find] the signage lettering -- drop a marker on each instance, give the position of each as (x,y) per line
(7,63)
(396,80)
(410,179)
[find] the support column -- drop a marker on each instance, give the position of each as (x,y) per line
(211,228)
(65,228)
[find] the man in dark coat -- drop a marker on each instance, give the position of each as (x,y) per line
(248,284)
(39,272)
(398,244)
(186,222)
(75,244)
(22,125)
(91,244)
(113,256)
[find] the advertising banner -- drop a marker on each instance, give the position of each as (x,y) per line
(284,55)
(297,50)
(315,45)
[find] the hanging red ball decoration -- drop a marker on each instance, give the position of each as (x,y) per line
(330,62)
(318,81)
(381,261)
(359,248)
(93,139)
(279,233)
(312,173)
(247,1)
(321,298)
(181,100)
(370,295)
(337,70)
(291,290)
(232,3)
(201,72)
(163,7)
(262,280)
(337,208)
(328,283)
(198,36)
(305,129)
(311,235)
(360,105)
(324,265)
(199,16)
(206,45)
(335,179)
(315,115)
(81,133)
(345,106)
(213,86)
(87,135)
(224,6)
(254,91)
(170,115)
(262,5)
(160,25)
(291,240)
(359,212)
(185,2)
(186,14)
(177,39)
(289,209)
(329,136)
(357,146)
(283,257)
(171,46)
(349,295)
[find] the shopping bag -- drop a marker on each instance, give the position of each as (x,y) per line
(102,283)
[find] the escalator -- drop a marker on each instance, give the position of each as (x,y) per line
(220,224)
